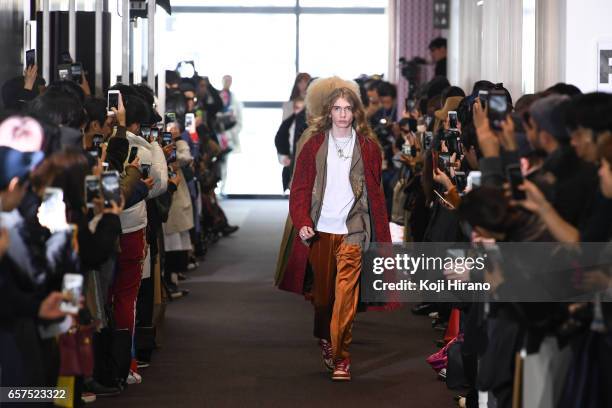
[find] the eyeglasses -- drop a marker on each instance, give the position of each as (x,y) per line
(339,109)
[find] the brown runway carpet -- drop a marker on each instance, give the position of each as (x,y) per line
(236,341)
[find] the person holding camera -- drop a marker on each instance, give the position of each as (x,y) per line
(336,195)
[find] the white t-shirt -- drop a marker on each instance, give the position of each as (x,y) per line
(338,197)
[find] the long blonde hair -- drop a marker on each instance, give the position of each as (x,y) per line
(323,123)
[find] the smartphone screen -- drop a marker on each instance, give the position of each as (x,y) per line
(190,121)
(145,131)
(72,289)
(410,105)
(427,140)
(92,189)
(452,120)
(170,117)
(110,187)
(133,154)
(444,162)
(113,100)
(513,172)
(30,57)
(483,96)
(97,140)
(76,70)
(498,109)
(146,170)
(63,73)
(154,133)
(166,138)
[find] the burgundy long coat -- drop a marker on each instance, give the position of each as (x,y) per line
(300,206)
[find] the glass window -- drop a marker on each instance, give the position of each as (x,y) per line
(344,3)
(341,45)
(260,55)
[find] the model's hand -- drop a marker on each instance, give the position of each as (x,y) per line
(306,233)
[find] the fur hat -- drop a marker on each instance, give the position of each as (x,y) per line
(319,90)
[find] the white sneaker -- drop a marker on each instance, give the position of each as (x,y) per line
(192,266)
(88,397)
(134,378)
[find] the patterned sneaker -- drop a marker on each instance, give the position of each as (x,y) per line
(326,352)
(134,378)
(342,371)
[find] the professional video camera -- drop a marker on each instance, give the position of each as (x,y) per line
(413,71)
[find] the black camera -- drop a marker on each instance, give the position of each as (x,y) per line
(452,138)
(383,131)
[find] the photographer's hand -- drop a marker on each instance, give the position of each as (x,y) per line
(85,85)
(176,179)
(50,307)
(168,149)
(29,77)
(508,140)
(115,208)
(440,177)
(120,112)
(149,182)
(487,140)
(135,163)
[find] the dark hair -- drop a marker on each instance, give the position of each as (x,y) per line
(561,88)
(58,108)
(65,169)
(295,91)
(69,88)
(436,86)
(96,111)
(125,90)
(438,42)
(486,207)
(172,77)
(187,85)
(591,111)
(387,89)
(145,93)
(604,148)
(482,85)
(452,91)
(10,93)
(148,95)
(136,110)
(373,84)
(524,102)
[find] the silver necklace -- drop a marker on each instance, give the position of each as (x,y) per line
(340,149)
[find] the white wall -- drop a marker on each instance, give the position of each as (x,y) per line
(587,21)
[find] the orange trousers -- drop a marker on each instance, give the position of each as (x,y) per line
(336,266)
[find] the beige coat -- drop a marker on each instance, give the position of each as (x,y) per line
(180,217)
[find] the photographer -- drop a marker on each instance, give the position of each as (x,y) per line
(437,52)
(17,92)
